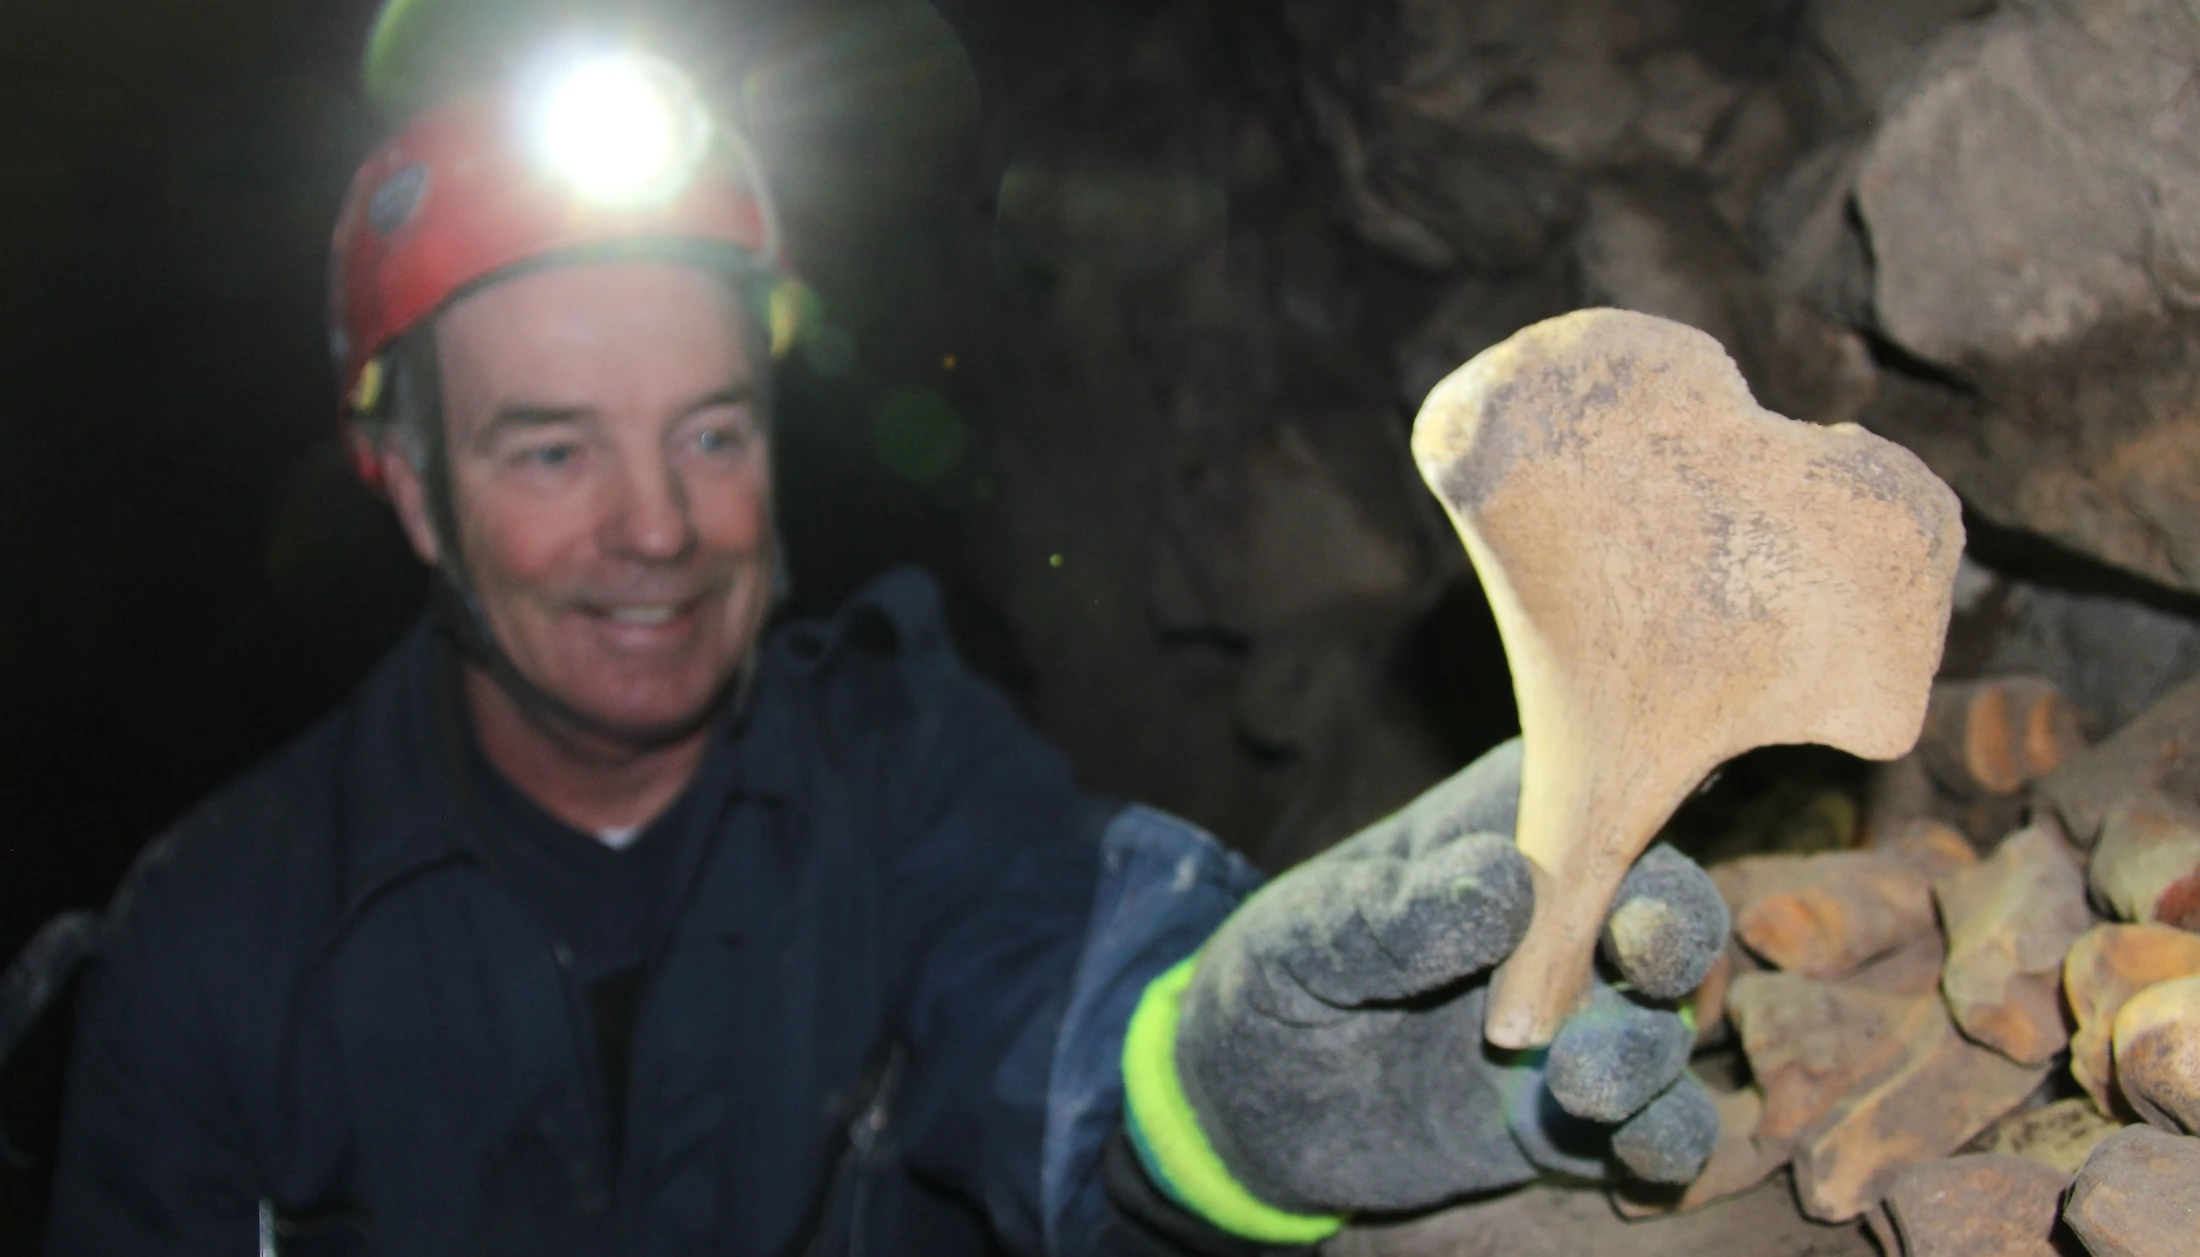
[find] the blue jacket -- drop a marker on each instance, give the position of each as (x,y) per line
(886,1018)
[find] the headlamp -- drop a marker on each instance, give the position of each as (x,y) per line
(620,129)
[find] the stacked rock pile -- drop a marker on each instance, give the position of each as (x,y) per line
(1980,1042)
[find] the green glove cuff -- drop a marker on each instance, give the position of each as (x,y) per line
(1165,1131)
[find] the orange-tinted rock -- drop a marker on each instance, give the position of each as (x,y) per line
(1981,1205)
(2146,866)
(2158,1054)
(2136,1198)
(2059,1135)
(2160,750)
(1943,1091)
(1811,1044)
(2009,922)
(1935,847)
(1912,969)
(2106,966)
(1824,915)
(1993,736)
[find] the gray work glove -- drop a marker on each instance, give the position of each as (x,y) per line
(1327,1044)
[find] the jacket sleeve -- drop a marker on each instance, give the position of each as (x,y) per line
(1031,915)
(154,1154)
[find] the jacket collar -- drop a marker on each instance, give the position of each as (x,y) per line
(404,805)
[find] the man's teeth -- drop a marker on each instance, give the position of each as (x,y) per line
(643,615)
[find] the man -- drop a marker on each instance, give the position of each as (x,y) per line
(598,921)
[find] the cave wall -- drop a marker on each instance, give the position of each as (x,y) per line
(1262,232)
(1128,306)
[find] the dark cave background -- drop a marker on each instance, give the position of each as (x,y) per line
(1128,305)
(193,577)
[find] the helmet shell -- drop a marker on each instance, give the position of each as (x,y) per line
(455,200)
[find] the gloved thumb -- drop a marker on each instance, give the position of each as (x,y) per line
(1387,927)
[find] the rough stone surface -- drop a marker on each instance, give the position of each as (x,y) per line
(1562,1222)
(2157,1044)
(1811,1045)
(2134,1198)
(2106,967)
(1991,737)
(2146,865)
(2114,647)
(1942,1091)
(2009,922)
(1912,969)
(2159,750)
(1980,1205)
(2059,1136)
(1935,848)
(2064,139)
(1824,915)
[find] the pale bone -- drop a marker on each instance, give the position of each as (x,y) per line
(1679,575)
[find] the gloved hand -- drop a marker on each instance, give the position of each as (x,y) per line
(1323,1053)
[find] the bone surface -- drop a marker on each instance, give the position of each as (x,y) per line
(1679,575)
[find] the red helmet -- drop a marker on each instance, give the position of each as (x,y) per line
(486,183)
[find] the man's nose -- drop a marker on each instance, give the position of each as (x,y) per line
(651,519)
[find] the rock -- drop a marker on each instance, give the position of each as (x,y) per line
(1556,1221)
(2107,966)
(1824,915)
(1811,1044)
(1980,1205)
(1943,1091)
(2111,646)
(1653,245)
(1438,197)
(2146,866)
(1476,312)
(1995,736)
(2055,395)
(2135,1196)
(1590,81)
(2059,1136)
(2158,751)
(2157,1045)
(1911,970)
(1898,793)
(1875,46)
(2009,922)
(1934,847)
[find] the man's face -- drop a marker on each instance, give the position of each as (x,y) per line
(611,484)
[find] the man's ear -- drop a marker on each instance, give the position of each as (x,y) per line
(409,497)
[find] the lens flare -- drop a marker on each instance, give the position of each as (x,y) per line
(622,129)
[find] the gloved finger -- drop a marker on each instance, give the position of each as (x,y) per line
(1667,925)
(1555,1140)
(1669,1141)
(1377,930)
(1614,1056)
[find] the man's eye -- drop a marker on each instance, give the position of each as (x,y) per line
(550,455)
(719,440)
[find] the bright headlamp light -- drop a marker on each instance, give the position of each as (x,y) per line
(621,129)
